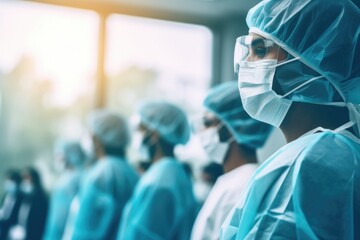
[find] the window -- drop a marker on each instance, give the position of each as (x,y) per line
(156,60)
(150,59)
(47,70)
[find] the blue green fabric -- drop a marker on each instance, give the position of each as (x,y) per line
(309,189)
(225,102)
(163,205)
(323,33)
(104,193)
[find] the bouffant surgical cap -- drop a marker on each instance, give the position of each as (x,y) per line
(323,33)
(72,152)
(225,102)
(166,119)
(110,128)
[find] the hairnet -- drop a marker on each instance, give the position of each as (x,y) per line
(72,153)
(166,119)
(225,102)
(111,129)
(323,33)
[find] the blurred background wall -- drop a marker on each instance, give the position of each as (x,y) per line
(60,59)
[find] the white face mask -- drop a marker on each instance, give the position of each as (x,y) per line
(142,151)
(88,146)
(215,149)
(259,100)
(27,187)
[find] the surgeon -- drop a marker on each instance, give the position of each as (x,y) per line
(69,159)
(299,69)
(109,183)
(209,173)
(163,205)
(230,137)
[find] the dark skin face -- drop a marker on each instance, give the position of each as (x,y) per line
(236,156)
(211,121)
(259,52)
(157,147)
(301,117)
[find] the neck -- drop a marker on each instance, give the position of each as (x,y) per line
(303,117)
(159,154)
(238,156)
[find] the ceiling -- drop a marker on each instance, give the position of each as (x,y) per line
(183,10)
(207,8)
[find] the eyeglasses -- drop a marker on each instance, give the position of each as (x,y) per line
(203,123)
(251,48)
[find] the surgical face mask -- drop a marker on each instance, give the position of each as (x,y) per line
(59,163)
(260,101)
(10,186)
(27,187)
(215,149)
(140,145)
(88,146)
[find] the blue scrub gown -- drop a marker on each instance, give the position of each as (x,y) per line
(104,193)
(61,198)
(163,205)
(309,189)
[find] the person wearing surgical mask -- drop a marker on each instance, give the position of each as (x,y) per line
(163,205)
(299,70)
(10,204)
(230,137)
(209,173)
(109,183)
(33,210)
(69,159)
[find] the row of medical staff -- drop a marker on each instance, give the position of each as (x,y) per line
(298,69)
(109,201)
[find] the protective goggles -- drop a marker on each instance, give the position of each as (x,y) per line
(251,49)
(202,123)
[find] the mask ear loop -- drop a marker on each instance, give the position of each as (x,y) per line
(301,85)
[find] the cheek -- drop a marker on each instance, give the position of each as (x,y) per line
(277,53)
(282,55)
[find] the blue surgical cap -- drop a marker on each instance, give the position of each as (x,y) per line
(225,102)
(111,129)
(72,152)
(323,33)
(166,119)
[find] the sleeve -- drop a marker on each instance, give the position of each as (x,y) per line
(153,217)
(57,216)
(314,198)
(324,189)
(95,214)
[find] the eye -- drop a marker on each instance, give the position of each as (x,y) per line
(208,122)
(257,53)
(260,52)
